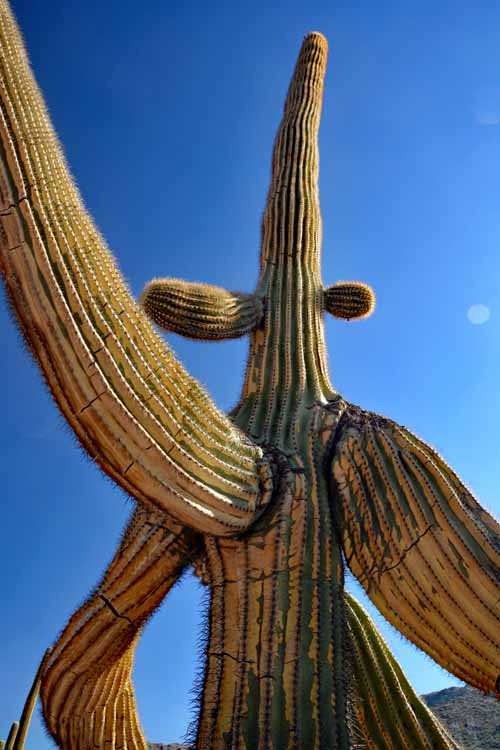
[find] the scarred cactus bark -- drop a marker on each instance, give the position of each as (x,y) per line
(268,504)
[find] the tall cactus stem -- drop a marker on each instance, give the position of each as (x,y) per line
(12,736)
(30,704)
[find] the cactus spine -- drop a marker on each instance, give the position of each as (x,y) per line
(268,504)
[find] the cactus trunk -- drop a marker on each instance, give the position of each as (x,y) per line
(287,369)
(278,671)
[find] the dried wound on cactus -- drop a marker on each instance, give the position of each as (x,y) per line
(268,504)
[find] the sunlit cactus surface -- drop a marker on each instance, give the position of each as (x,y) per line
(270,503)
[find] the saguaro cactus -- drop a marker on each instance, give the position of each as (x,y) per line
(19,729)
(270,503)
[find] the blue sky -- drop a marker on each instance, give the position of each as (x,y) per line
(167,113)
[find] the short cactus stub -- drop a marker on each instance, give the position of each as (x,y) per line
(349,300)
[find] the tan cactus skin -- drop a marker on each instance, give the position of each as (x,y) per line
(87,693)
(131,405)
(425,551)
(200,311)
(268,504)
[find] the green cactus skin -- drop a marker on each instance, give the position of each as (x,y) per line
(268,504)
(389,715)
(12,736)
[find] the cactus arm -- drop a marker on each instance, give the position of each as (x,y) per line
(134,409)
(200,311)
(206,312)
(12,736)
(389,715)
(349,300)
(87,694)
(30,704)
(425,551)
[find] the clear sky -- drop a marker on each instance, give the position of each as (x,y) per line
(167,112)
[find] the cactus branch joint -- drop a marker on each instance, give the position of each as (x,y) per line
(270,503)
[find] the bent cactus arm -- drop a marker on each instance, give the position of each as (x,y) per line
(140,416)
(200,311)
(425,551)
(389,715)
(87,694)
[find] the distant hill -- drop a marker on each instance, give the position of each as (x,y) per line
(471,717)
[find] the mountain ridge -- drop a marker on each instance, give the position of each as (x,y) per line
(473,719)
